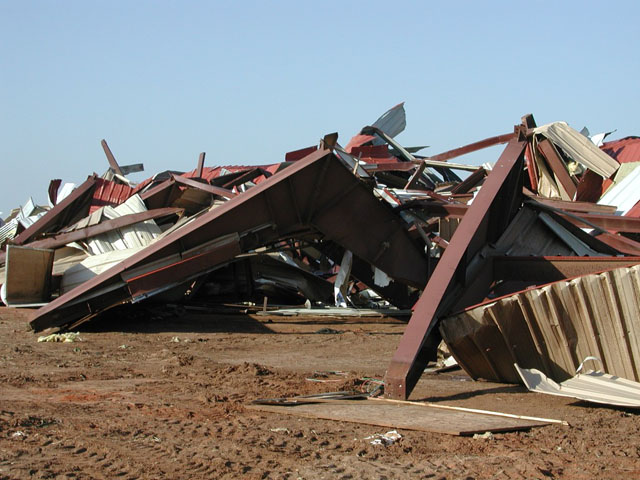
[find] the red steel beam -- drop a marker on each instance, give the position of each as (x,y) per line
(550,269)
(558,167)
(103,227)
(613,223)
(112,160)
(205,187)
(488,216)
(200,165)
(438,209)
(50,221)
(471,181)
(576,206)
(472,147)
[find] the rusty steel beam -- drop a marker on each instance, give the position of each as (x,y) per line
(161,195)
(558,167)
(200,167)
(488,216)
(472,147)
(415,177)
(620,243)
(471,181)
(551,269)
(112,160)
(324,201)
(612,223)
(76,204)
(438,209)
(576,206)
(244,178)
(529,123)
(61,239)
(205,187)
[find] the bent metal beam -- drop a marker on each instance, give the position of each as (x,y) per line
(485,220)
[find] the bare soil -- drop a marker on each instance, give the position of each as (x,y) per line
(166,398)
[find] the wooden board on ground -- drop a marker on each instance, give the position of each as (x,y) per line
(409,417)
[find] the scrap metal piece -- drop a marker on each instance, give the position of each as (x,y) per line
(595,387)
(489,215)
(74,206)
(472,147)
(112,160)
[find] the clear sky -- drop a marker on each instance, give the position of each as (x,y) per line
(247,81)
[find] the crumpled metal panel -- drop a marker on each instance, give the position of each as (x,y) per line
(625,150)
(552,329)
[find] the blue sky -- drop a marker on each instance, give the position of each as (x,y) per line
(248,81)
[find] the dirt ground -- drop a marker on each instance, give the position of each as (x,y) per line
(148,399)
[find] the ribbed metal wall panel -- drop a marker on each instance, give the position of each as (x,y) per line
(553,329)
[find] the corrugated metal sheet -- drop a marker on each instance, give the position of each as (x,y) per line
(137,235)
(392,122)
(625,150)
(109,193)
(553,328)
(8,230)
(596,387)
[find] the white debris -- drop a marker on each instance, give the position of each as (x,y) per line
(279,430)
(483,436)
(68,337)
(385,439)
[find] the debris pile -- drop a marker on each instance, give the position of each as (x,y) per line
(528,262)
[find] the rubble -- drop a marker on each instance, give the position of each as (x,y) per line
(374,225)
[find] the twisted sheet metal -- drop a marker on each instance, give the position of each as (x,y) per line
(553,328)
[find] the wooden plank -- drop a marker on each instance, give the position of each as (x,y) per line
(28,275)
(423,418)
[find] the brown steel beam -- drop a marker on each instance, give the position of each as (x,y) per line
(472,147)
(613,223)
(244,178)
(70,207)
(558,167)
(620,243)
(200,165)
(205,187)
(529,123)
(488,216)
(471,181)
(586,207)
(438,209)
(112,160)
(103,227)
(551,269)
(415,178)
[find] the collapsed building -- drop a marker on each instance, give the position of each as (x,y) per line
(529,263)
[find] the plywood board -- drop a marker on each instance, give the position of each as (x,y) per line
(28,275)
(409,417)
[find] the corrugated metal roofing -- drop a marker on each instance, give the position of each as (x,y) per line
(109,193)
(392,122)
(624,150)
(594,387)
(553,328)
